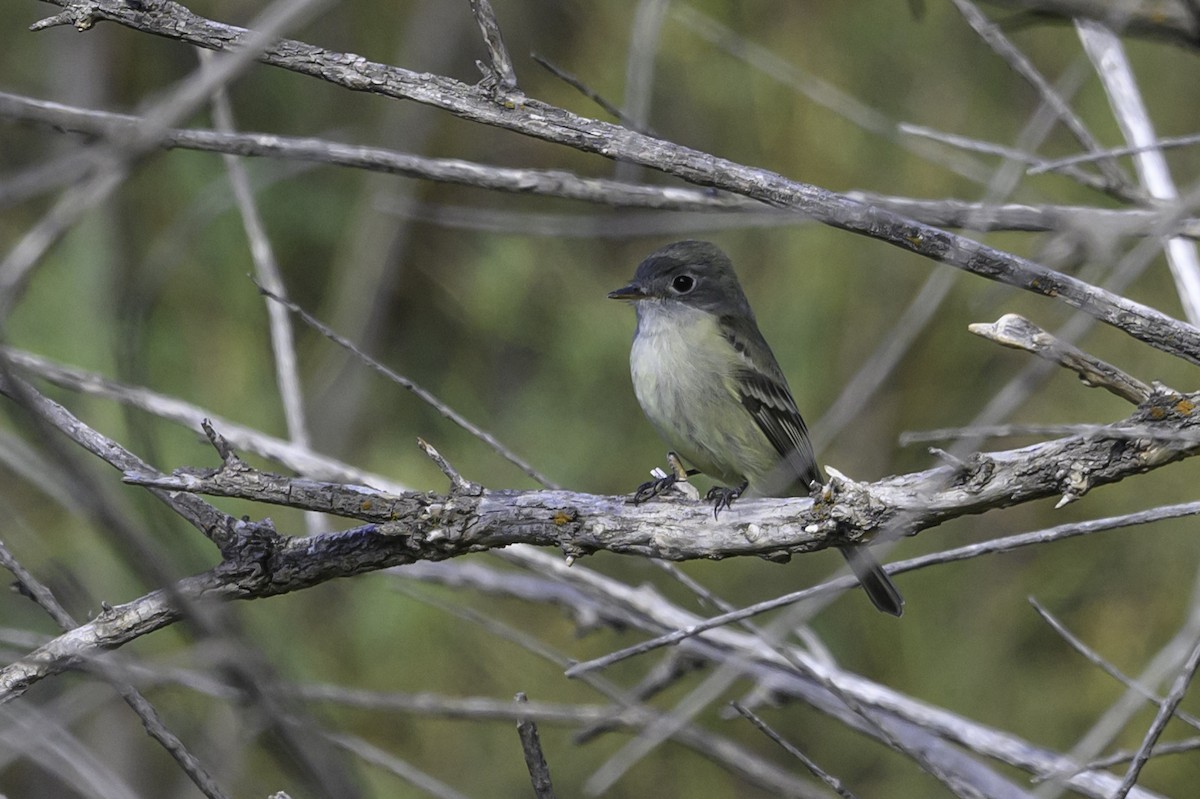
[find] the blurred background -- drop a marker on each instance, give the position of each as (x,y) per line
(496,303)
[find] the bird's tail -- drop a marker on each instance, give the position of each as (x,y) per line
(874,580)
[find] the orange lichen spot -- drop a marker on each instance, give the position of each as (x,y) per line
(366,505)
(560,518)
(1157,413)
(1185,406)
(915,239)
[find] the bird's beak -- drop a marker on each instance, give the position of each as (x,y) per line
(631,292)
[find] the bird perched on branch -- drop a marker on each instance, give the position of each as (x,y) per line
(709,383)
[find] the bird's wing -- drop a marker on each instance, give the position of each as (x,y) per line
(764,393)
(774,411)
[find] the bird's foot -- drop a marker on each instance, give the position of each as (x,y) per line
(722,497)
(664,482)
(652,488)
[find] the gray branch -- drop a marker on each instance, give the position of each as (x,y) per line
(559,183)
(1164,20)
(433,526)
(543,121)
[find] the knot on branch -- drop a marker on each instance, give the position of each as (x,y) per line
(847,510)
(248,550)
(82,15)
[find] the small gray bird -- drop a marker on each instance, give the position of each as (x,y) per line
(709,383)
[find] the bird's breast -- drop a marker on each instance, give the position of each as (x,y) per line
(682,368)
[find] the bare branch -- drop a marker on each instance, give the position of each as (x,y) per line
(556,125)
(1112,65)
(730,209)
(1166,20)
(918,722)
(301,460)
(552,182)
(500,74)
(1117,181)
(137,702)
(825,777)
(1006,544)
(1165,712)
(1033,218)
(1105,665)
(1012,330)
(849,512)
(430,527)
(535,758)
(420,391)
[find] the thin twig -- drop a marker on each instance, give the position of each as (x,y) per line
(1163,143)
(247,439)
(500,73)
(151,720)
(535,758)
(1116,75)
(587,91)
(1114,721)
(1104,664)
(458,484)
(787,746)
(423,394)
(370,753)
(1006,544)
(1013,330)
(1010,153)
(1116,758)
(993,36)
(1165,711)
(267,272)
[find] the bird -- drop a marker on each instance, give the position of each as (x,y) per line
(708,382)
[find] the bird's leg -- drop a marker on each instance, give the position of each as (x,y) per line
(653,488)
(723,496)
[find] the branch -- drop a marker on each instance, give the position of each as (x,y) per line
(437,526)
(559,183)
(300,459)
(542,121)
(1166,20)
(1019,333)
(546,182)
(535,758)
(917,722)
(499,76)
(427,526)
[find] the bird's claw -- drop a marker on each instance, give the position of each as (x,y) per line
(722,497)
(652,488)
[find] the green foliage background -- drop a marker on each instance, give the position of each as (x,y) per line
(513,329)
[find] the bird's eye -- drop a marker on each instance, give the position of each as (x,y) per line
(683,284)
